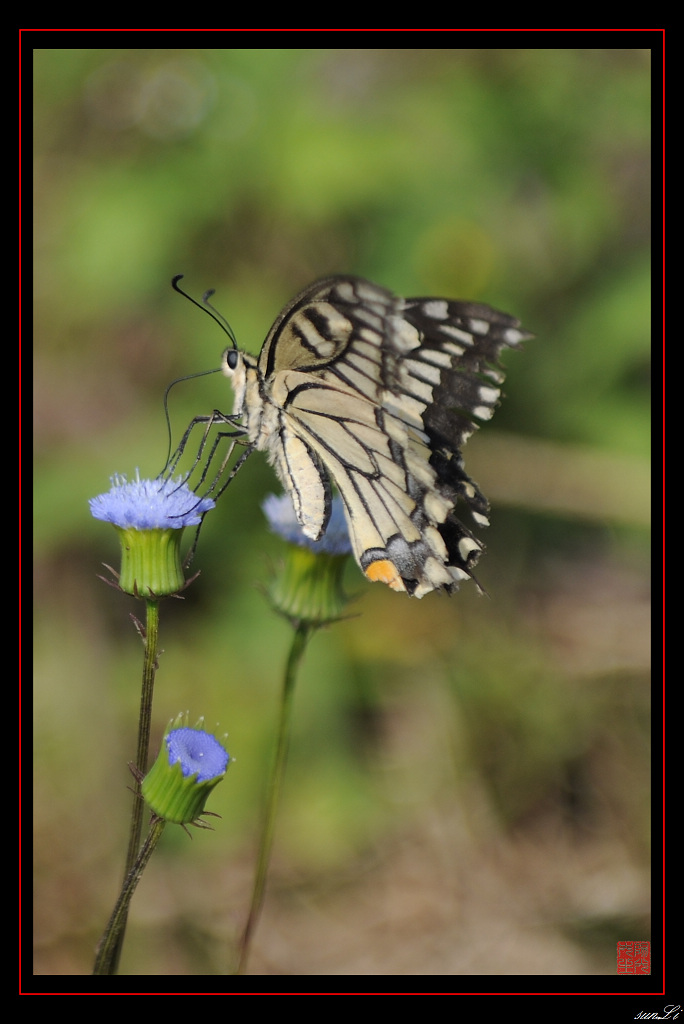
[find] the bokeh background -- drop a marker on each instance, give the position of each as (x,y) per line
(467,791)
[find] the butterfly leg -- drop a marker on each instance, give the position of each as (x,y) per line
(209,421)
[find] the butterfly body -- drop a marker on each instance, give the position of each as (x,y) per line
(378,394)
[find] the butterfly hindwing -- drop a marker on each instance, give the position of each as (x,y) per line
(379,394)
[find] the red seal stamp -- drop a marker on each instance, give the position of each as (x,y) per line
(633,957)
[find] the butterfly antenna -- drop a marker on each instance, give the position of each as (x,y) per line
(207,307)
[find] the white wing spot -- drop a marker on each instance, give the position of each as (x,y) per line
(417,368)
(458,574)
(453,350)
(366,291)
(466,546)
(437,309)
(456,332)
(436,356)
(436,507)
(478,326)
(345,289)
(489,394)
(512,336)
(404,335)
(494,375)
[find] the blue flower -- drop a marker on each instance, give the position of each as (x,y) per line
(307,589)
(190,764)
(149,517)
(150,504)
(198,753)
(281,518)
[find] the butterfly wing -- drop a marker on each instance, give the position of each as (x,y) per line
(379,394)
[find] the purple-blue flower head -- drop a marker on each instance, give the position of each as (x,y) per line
(150,504)
(307,587)
(199,753)
(149,517)
(281,518)
(190,765)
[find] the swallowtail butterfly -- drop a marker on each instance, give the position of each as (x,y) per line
(377,395)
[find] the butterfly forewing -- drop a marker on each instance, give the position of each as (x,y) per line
(379,394)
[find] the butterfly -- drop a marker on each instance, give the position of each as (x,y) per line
(377,395)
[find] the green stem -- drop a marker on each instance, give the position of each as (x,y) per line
(114,942)
(299,641)
(108,950)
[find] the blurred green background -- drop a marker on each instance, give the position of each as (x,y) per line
(467,791)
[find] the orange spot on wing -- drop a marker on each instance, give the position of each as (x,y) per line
(384,572)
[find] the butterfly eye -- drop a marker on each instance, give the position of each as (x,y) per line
(230,359)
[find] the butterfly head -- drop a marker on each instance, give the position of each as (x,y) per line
(234,367)
(241,370)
